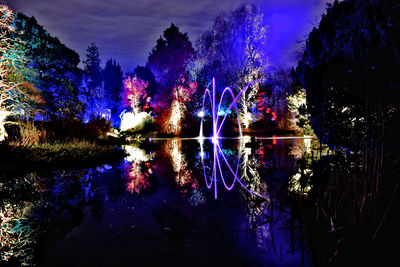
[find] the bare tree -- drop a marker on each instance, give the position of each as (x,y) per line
(18,96)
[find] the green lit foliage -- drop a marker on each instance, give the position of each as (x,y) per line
(298,106)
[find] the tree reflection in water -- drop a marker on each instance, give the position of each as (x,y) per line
(167,182)
(138,170)
(260,181)
(18,232)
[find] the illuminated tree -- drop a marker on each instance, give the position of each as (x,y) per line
(58,76)
(233,52)
(18,97)
(134,93)
(145,74)
(181,95)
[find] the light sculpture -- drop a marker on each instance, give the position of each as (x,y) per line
(217,150)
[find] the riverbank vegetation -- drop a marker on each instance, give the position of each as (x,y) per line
(348,72)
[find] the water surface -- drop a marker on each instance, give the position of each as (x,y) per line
(162,207)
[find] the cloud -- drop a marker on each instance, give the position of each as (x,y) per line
(127,30)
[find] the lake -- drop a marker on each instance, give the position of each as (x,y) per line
(171,202)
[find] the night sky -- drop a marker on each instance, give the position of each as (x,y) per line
(127,30)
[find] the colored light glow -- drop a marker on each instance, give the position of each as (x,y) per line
(274,141)
(217,126)
(132,120)
(183,175)
(200,114)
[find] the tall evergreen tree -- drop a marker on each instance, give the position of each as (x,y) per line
(350,70)
(92,66)
(95,95)
(112,77)
(167,59)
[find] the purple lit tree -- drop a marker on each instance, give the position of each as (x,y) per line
(233,52)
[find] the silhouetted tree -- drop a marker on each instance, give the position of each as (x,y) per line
(112,77)
(145,74)
(350,70)
(96,103)
(92,66)
(168,57)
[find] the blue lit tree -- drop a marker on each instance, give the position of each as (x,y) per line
(95,95)
(57,67)
(233,52)
(112,77)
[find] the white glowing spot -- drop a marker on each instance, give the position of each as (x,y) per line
(344,109)
(246,139)
(247,119)
(202,154)
(214,139)
(131,120)
(179,163)
(175,118)
(307,145)
(136,154)
(200,114)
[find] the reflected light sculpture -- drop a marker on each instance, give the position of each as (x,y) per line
(217,150)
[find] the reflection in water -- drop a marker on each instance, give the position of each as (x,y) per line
(139,170)
(18,232)
(256,209)
(220,160)
(300,181)
(183,175)
(156,199)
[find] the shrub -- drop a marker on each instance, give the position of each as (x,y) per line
(30,135)
(97,128)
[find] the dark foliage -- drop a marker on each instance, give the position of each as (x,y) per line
(350,69)
(92,66)
(112,77)
(59,76)
(146,75)
(167,59)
